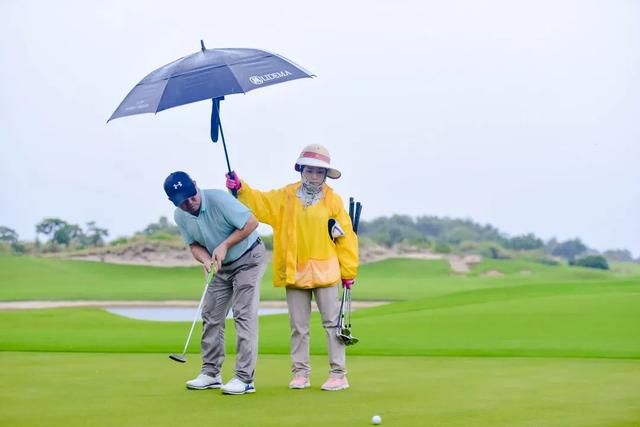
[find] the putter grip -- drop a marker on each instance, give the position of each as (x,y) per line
(212,273)
(356,220)
(351,210)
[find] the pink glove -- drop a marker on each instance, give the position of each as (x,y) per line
(347,283)
(233,183)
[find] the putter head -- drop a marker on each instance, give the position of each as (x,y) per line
(348,339)
(181,358)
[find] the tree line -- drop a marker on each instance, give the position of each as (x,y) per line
(55,235)
(439,234)
(463,235)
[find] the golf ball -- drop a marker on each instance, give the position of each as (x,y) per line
(376,419)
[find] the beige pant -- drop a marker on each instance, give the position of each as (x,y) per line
(299,303)
(236,286)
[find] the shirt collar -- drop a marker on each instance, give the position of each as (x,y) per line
(203,202)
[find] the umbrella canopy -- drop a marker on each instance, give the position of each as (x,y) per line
(208,74)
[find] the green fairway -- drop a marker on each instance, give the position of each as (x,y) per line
(29,278)
(594,319)
(54,389)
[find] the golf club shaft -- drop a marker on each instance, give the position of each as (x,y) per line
(341,313)
(195,317)
(348,308)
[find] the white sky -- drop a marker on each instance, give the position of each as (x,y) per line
(519,114)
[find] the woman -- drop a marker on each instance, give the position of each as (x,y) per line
(314,250)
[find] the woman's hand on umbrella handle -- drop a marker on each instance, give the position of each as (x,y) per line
(233,181)
(348,283)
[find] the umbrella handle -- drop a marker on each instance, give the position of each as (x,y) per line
(216,124)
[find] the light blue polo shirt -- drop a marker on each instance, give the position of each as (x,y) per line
(220,215)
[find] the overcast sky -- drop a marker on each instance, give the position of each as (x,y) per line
(519,114)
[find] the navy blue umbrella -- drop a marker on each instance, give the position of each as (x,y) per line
(208,74)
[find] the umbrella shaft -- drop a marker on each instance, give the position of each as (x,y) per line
(224,143)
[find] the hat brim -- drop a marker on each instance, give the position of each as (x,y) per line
(305,161)
(181,197)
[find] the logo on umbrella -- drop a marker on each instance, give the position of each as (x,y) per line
(258,80)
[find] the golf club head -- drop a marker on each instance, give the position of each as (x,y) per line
(352,341)
(181,358)
(348,339)
(345,338)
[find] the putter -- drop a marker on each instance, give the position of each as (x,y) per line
(182,358)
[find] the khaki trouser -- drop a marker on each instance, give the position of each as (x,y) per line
(299,302)
(236,286)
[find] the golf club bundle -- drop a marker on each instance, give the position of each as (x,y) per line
(343,329)
(182,358)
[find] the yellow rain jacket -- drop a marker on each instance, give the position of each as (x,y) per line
(304,256)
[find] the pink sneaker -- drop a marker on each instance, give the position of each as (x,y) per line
(335,383)
(300,381)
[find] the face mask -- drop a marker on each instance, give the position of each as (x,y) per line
(308,193)
(309,187)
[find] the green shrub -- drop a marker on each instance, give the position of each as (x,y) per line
(591,261)
(161,235)
(494,252)
(547,261)
(419,242)
(119,241)
(442,248)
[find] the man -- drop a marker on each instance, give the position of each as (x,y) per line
(220,230)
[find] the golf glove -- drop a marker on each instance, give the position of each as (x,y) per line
(233,183)
(347,283)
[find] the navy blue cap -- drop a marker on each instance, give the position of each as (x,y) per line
(179,187)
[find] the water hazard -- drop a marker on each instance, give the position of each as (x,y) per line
(174,314)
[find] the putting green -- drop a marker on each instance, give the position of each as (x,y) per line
(73,389)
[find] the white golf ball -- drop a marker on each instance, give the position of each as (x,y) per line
(376,419)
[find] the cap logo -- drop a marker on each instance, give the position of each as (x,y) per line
(179,184)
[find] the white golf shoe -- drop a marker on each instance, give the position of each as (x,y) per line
(235,386)
(202,382)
